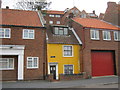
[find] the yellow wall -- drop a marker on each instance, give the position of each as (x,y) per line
(57,51)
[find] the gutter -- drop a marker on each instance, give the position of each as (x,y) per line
(22,26)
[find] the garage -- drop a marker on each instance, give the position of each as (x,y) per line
(103,63)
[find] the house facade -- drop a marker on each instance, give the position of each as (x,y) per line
(63,55)
(100,46)
(52,17)
(22,46)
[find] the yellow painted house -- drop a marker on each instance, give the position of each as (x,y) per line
(63,51)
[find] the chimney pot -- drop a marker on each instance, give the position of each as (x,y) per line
(7,7)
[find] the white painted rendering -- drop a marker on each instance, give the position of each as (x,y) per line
(15,50)
(56,64)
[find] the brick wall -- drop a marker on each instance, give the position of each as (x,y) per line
(89,45)
(33,48)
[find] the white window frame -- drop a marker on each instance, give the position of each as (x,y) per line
(96,32)
(57,15)
(64,68)
(33,62)
(4,32)
(50,22)
(72,51)
(57,22)
(51,15)
(28,34)
(108,32)
(118,35)
(8,68)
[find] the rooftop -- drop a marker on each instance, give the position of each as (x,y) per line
(20,18)
(94,23)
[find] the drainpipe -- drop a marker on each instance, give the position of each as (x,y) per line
(83,47)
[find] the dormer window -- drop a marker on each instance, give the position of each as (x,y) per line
(60,31)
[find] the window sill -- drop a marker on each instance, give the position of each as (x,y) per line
(96,39)
(67,56)
(106,40)
(6,69)
(32,68)
(28,38)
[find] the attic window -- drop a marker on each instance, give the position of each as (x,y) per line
(60,31)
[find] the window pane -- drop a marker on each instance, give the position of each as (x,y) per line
(0,32)
(68,69)
(56,30)
(65,31)
(29,63)
(7,33)
(65,47)
(105,35)
(35,62)
(61,32)
(58,22)
(10,63)
(26,33)
(31,35)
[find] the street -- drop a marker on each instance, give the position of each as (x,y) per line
(103,82)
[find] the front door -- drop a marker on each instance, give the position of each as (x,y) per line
(53,71)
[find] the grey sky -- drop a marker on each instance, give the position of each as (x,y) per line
(88,5)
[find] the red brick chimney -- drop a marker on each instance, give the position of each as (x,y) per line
(111,4)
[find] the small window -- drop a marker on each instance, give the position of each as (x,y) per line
(94,34)
(6,63)
(50,22)
(58,22)
(32,62)
(51,15)
(28,34)
(83,16)
(116,35)
(106,35)
(67,51)
(57,15)
(4,32)
(68,69)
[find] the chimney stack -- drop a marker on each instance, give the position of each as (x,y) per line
(111,4)
(93,11)
(7,7)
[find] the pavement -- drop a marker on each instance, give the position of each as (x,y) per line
(99,82)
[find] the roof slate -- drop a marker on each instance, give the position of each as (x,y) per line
(58,39)
(20,18)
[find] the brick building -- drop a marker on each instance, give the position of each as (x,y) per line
(112,13)
(22,37)
(100,46)
(52,17)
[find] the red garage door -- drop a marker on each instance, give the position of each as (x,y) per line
(102,63)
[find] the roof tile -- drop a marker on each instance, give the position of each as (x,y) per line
(94,23)
(19,17)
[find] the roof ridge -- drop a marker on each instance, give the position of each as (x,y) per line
(17,10)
